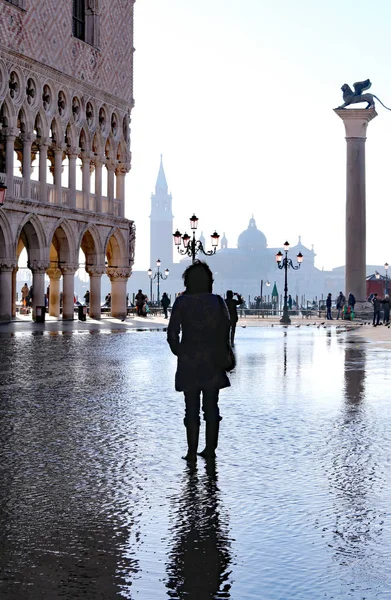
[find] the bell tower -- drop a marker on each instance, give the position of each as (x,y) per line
(161,224)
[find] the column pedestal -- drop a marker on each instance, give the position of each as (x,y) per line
(356,124)
(118,277)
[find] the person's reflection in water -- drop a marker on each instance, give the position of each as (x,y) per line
(198,566)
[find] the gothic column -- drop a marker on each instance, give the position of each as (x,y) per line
(110,185)
(9,159)
(43,167)
(120,173)
(356,124)
(95,274)
(38,269)
(118,277)
(54,297)
(72,177)
(57,174)
(14,273)
(68,291)
(86,179)
(26,165)
(6,269)
(98,183)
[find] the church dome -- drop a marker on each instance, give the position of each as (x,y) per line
(251,238)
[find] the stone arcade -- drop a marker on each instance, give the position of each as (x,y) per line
(65,101)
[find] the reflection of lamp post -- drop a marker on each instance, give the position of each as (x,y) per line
(3,189)
(191,245)
(386,265)
(157,276)
(283,262)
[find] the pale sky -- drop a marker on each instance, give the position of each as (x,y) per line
(238,98)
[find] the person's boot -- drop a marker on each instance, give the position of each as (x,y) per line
(192,432)
(211,438)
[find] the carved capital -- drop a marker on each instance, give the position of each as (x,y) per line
(122,169)
(28,138)
(111,165)
(118,273)
(54,273)
(11,133)
(95,271)
(73,152)
(38,266)
(43,143)
(7,265)
(69,269)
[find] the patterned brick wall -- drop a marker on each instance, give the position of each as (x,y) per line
(43,32)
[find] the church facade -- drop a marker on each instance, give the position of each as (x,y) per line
(65,110)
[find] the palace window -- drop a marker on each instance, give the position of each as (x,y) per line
(79,19)
(86,21)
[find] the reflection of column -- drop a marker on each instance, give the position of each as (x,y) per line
(95,274)
(68,291)
(356,124)
(98,183)
(26,166)
(110,185)
(72,177)
(43,157)
(54,297)
(57,174)
(6,269)
(9,160)
(14,273)
(86,178)
(118,277)
(38,269)
(120,173)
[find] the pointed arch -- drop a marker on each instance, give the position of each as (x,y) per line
(122,152)
(110,148)
(71,137)
(32,234)
(9,113)
(84,140)
(98,143)
(7,249)
(91,244)
(41,125)
(62,243)
(115,248)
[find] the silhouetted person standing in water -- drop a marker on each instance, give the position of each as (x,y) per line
(232,305)
(202,318)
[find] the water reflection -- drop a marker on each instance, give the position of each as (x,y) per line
(198,565)
(353,471)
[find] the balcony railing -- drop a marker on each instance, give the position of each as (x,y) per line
(36,196)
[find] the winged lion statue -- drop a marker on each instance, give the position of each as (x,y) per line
(350,97)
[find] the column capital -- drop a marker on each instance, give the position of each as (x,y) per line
(28,138)
(38,266)
(11,132)
(69,269)
(122,169)
(95,270)
(86,156)
(7,264)
(43,142)
(118,273)
(54,273)
(99,159)
(111,165)
(356,120)
(59,148)
(73,152)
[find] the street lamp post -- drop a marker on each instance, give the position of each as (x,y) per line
(386,265)
(191,246)
(283,262)
(157,276)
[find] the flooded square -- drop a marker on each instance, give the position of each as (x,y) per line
(96,503)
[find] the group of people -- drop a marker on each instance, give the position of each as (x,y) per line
(377,307)
(345,309)
(27,295)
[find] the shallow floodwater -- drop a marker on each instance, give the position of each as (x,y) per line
(96,503)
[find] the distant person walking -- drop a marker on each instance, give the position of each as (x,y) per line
(202,319)
(386,309)
(328,307)
(290,302)
(340,303)
(87,297)
(232,305)
(25,293)
(376,310)
(351,301)
(140,301)
(165,302)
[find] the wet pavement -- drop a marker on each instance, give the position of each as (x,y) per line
(95,502)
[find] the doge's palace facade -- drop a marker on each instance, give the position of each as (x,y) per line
(66,94)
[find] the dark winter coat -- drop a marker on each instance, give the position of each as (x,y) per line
(202,320)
